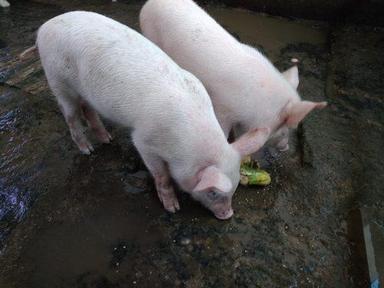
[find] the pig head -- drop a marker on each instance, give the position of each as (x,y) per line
(293,111)
(214,185)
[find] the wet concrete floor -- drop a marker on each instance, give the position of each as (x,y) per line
(69,220)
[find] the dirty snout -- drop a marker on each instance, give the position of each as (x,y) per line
(221,206)
(216,188)
(218,202)
(279,140)
(283,145)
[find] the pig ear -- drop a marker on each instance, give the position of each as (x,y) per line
(251,141)
(297,111)
(292,76)
(212,178)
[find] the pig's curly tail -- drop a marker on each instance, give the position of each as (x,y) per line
(28,53)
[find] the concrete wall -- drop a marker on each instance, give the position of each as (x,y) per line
(358,11)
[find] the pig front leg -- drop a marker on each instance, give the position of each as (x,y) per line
(163,183)
(166,192)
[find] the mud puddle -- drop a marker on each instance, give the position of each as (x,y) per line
(269,34)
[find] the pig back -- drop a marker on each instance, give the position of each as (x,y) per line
(118,71)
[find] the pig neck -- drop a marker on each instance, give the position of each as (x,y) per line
(254,95)
(212,150)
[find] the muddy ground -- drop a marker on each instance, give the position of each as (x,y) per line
(69,220)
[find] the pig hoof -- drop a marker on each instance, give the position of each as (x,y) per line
(172,206)
(103,136)
(86,148)
(177,205)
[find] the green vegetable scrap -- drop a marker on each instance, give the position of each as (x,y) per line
(250,175)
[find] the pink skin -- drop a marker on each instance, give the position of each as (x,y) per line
(165,190)
(77,129)
(220,204)
(214,191)
(222,210)
(94,122)
(205,181)
(73,112)
(289,117)
(181,139)
(212,188)
(166,193)
(160,171)
(246,90)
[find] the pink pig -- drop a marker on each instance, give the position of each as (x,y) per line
(95,65)
(247,91)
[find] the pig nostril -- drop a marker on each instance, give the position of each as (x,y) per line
(227,214)
(224,214)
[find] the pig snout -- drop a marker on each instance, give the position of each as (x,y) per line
(283,144)
(224,215)
(222,211)
(283,149)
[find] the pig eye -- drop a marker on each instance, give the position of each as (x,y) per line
(213,195)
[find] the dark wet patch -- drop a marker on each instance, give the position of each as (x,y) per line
(2,44)
(5,72)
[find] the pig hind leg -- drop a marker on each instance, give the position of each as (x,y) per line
(95,123)
(69,103)
(160,172)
